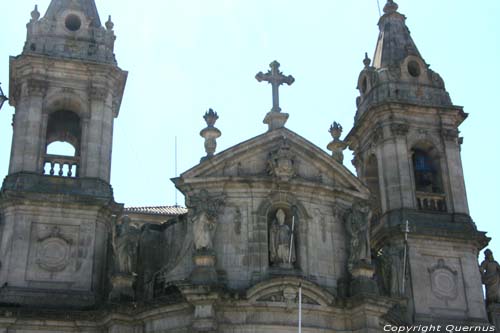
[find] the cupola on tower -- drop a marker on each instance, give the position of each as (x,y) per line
(58,206)
(407,151)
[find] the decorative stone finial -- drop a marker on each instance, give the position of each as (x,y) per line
(390,7)
(337,146)
(210,133)
(109,23)
(210,117)
(336,131)
(367,61)
(275,77)
(35,14)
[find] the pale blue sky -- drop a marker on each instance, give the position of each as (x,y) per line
(185,56)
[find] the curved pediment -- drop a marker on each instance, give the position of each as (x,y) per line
(278,156)
(286,289)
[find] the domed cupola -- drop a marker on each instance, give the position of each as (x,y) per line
(398,72)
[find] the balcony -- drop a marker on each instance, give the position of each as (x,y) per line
(431,201)
(61,166)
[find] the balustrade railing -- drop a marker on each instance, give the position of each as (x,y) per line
(431,201)
(62,166)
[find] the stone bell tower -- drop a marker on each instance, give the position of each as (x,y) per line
(407,151)
(56,209)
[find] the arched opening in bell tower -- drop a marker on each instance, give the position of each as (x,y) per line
(63,142)
(427,178)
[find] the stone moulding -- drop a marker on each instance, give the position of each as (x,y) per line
(286,288)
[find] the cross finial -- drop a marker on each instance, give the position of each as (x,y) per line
(276,79)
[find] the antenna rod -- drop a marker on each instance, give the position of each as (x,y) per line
(291,240)
(378,4)
(406,231)
(175,159)
(300,308)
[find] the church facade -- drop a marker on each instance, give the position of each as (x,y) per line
(276,233)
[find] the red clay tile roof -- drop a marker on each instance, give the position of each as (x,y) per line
(157,210)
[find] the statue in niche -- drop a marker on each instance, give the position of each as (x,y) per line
(203,229)
(392,269)
(357,220)
(281,242)
(125,246)
(490,275)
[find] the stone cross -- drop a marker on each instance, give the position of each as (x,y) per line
(276,79)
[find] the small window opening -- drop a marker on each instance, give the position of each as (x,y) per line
(73,22)
(414,68)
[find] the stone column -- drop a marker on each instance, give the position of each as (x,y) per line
(25,154)
(97,158)
(456,193)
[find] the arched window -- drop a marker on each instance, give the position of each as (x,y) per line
(428,182)
(426,172)
(61,148)
(63,140)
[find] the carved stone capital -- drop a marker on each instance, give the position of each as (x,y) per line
(357,161)
(399,129)
(37,88)
(449,134)
(68,90)
(378,134)
(98,94)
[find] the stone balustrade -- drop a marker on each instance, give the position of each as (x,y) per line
(431,201)
(62,166)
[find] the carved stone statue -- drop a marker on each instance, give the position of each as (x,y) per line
(490,274)
(281,242)
(204,229)
(392,270)
(125,247)
(357,221)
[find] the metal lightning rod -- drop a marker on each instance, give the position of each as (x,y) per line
(175,161)
(291,240)
(406,231)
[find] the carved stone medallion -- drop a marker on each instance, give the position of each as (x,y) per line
(53,251)
(444,281)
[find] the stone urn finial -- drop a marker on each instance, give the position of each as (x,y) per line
(210,133)
(35,14)
(109,24)
(337,146)
(210,117)
(336,131)
(367,61)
